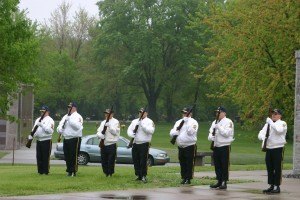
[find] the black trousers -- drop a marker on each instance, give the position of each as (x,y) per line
(108,158)
(221,161)
(43,152)
(140,157)
(186,158)
(273,160)
(71,148)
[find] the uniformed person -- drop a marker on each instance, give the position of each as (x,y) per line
(43,136)
(70,127)
(186,141)
(224,135)
(275,149)
(111,137)
(141,144)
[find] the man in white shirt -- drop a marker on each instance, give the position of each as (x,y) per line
(274,149)
(43,135)
(70,127)
(141,143)
(110,137)
(186,141)
(221,134)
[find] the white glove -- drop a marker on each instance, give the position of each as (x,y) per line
(101,136)
(185,119)
(30,137)
(67,118)
(212,138)
(39,124)
(107,124)
(269,121)
(176,133)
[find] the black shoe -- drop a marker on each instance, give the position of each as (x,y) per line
(138,178)
(218,184)
(269,189)
(223,186)
(187,182)
(276,190)
(144,179)
(69,174)
(183,181)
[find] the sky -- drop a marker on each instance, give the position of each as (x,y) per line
(41,10)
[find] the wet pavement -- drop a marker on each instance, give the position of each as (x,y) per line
(290,188)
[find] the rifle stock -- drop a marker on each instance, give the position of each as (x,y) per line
(101,144)
(135,130)
(173,140)
(29,141)
(264,148)
(214,131)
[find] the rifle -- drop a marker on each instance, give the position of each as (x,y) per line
(135,129)
(101,144)
(29,141)
(214,131)
(69,113)
(173,140)
(264,148)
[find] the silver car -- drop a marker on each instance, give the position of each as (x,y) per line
(90,152)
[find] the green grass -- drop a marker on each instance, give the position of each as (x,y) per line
(245,150)
(3,153)
(24,180)
(19,180)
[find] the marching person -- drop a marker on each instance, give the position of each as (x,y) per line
(274,149)
(186,141)
(43,136)
(141,143)
(111,137)
(224,136)
(70,127)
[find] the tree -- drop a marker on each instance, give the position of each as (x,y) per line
(252,54)
(150,40)
(19,48)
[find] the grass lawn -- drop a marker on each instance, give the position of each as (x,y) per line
(20,180)
(245,150)
(2,153)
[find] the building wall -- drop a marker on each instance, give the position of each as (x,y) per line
(14,134)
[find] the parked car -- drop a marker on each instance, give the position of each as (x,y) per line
(90,152)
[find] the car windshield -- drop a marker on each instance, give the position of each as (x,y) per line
(121,143)
(93,141)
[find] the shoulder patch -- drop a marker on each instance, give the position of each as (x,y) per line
(195,126)
(230,125)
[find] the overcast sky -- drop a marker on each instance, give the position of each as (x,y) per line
(41,10)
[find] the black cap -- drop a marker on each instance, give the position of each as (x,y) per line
(44,108)
(143,110)
(186,110)
(277,111)
(107,111)
(72,104)
(221,109)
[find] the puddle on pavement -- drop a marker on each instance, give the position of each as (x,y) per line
(133,197)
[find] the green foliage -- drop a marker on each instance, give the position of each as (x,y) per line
(252,55)
(149,44)
(18,47)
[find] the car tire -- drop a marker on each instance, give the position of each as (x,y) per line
(150,161)
(83,158)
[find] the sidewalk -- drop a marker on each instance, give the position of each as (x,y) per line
(26,155)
